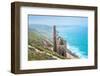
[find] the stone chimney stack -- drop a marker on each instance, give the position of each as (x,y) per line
(54,38)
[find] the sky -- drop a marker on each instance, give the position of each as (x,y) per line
(57,20)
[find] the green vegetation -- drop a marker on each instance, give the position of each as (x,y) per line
(50,52)
(37,50)
(33,55)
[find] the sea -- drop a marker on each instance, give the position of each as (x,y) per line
(76,38)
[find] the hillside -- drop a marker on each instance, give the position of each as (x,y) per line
(40,47)
(40,44)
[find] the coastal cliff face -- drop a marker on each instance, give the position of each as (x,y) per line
(60,45)
(42,47)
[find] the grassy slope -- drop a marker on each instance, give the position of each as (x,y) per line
(35,40)
(33,55)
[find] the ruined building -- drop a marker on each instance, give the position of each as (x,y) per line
(59,43)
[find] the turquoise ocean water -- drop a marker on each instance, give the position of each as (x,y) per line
(77,39)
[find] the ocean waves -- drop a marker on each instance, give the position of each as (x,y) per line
(77,51)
